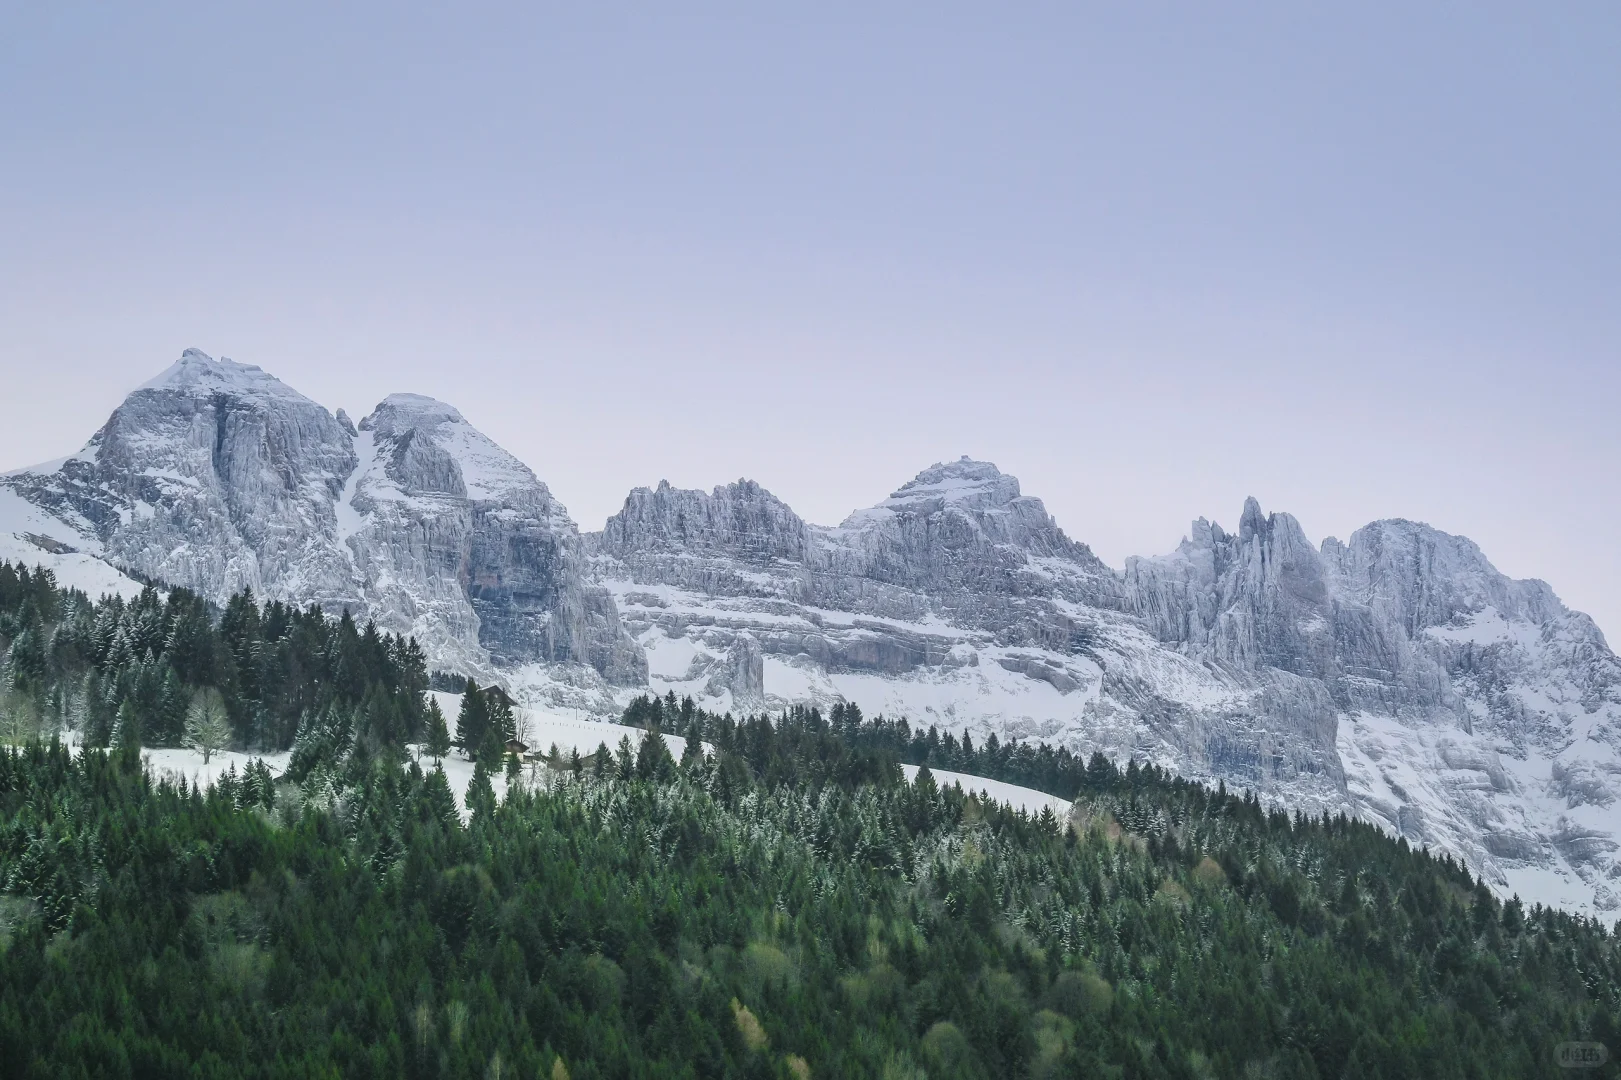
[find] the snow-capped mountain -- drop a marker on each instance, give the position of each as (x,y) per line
(217,476)
(1397,676)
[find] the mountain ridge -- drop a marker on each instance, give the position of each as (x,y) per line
(1396,675)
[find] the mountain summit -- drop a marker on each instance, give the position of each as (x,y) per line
(1397,676)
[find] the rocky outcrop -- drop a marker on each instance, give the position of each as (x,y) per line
(463,536)
(958,596)
(959,543)
(1398,676)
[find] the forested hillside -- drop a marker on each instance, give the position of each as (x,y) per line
(131,671)
(783,906)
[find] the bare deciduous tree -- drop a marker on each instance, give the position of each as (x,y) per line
(19,717)
(208,728)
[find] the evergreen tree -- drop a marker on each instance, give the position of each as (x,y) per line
(481,793)
(127,729)
(653,761)
(503,723)
(438,742)
(439,802)
(472,721)
(692,754)
(99,713)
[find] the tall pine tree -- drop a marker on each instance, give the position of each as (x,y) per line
(438,740)
(473,721)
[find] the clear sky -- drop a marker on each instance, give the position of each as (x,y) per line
(1150,258)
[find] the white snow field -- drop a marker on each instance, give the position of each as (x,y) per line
(177,763)
(34,538)
(1029,800)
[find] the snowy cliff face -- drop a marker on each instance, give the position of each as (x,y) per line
(721,587)
(214,475)
(217,477)
(1397,676)
(957,601)
(1471,711)
(459,543)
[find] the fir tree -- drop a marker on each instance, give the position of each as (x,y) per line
(503,723)
(173,705)
(480,793)
(653,761)
(99,713)
(472,721)
(692,754)
(438,743)
(439,801)
(127,729)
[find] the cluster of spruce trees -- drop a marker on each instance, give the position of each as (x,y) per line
(135,672)
(778,902)
(486,723)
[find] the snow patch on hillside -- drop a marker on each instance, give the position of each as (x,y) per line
(1029,800)
(34,538)
(174,764)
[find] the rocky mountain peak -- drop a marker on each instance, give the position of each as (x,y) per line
(197,372)
(427,446)
(954,507)
(741,519)
(970,484)
(213,475)
(400,411)
(1427,577)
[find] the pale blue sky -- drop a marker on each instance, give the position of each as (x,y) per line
(1150,258)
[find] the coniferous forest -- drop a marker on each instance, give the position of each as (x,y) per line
(775,902)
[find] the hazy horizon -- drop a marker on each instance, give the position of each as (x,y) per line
(1359,264)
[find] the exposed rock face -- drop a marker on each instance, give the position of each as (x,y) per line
(961,541)
(217,477)
(950,551)
(957,601)
(1473,711)
(214,475)
(1396,676)
(1399,676)
(450,528)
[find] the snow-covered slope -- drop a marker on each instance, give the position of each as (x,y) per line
(1029,800)
(1397,676)
(35,538)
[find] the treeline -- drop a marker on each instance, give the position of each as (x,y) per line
(130,671)
(1055,771)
